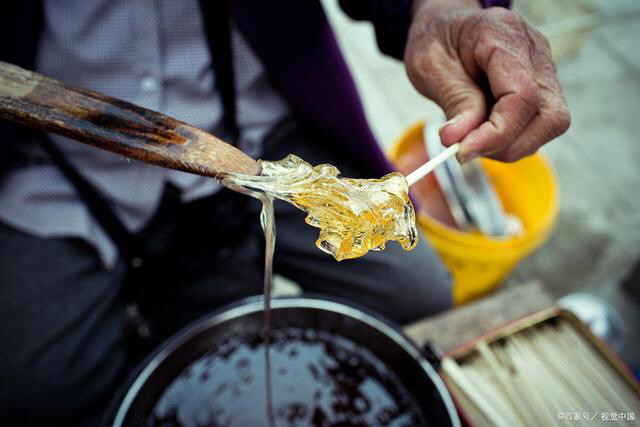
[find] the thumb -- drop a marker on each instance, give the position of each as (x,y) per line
(445,81)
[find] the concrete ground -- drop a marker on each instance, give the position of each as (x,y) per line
(597,50)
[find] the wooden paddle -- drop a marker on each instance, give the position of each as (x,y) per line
(115,125)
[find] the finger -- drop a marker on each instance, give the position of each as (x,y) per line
(554,118)
(511,79)
(440,77)
(552,122)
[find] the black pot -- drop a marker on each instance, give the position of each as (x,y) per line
(383,340)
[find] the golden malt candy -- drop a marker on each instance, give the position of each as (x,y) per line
(353,215)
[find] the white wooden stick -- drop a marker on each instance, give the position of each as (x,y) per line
(476,397)
(519,403)
(601,373)
(478,376)
(428,167)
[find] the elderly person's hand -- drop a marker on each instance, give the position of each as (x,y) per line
(491,73)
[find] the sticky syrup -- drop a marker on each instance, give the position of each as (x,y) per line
(354,215)
(319,379)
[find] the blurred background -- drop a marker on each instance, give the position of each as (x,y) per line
(595,245)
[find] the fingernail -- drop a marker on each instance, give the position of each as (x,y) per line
(466,157)
(449,122)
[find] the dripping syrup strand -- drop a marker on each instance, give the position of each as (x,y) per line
(269,228)
(267,221)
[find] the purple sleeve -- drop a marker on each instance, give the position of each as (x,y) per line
(391,20)
(492,3)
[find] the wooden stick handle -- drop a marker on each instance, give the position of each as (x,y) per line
(115,125)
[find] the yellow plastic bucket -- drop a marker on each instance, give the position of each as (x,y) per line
(478,263)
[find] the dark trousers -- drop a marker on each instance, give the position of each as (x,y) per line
(63,317)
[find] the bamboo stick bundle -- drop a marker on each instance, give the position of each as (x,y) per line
(537,375)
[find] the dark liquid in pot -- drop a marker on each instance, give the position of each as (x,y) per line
(318,379)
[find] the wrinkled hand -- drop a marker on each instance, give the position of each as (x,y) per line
(491,73)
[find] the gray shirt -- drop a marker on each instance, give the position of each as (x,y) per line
(152,53)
